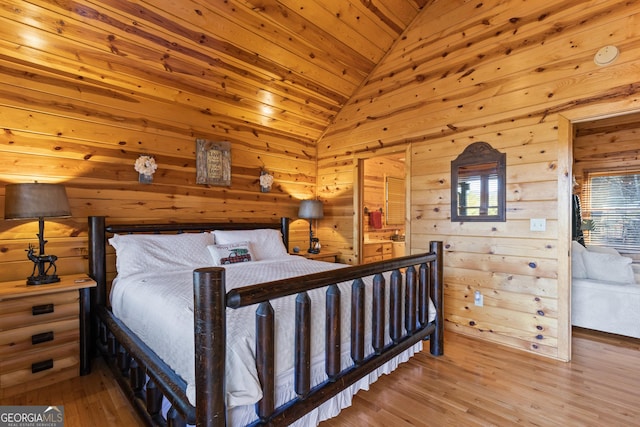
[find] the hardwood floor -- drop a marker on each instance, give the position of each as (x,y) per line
(474,384)
(479,384)
(92,400)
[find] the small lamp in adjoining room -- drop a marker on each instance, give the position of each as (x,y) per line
(311,209)
(31,201)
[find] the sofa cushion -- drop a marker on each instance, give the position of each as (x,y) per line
(578,269)
(608,267)
(603,250)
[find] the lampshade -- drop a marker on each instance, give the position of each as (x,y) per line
(35,200)
(310,209)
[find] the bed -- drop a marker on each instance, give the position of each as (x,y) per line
(605,294)
(216,324)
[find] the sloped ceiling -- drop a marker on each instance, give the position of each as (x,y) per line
(284,67)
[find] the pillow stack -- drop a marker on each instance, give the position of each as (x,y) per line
(261,244)
(600,263)
(139,253)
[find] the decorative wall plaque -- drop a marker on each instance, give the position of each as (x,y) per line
(213,162)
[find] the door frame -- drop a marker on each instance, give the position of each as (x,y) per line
(358,196)
(567,124)
(565,188)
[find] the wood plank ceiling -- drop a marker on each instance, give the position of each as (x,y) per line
(282,68)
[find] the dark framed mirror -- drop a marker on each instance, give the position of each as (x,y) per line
(478,184)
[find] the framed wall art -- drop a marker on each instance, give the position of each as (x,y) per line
(213,162)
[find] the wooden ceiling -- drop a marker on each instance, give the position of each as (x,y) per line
(280,67)
(607,125)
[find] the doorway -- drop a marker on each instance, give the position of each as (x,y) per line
(382,205)
(589,144)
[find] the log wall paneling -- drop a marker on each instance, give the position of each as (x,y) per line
(87,88)
(606,145)
(508,73)
(306,93)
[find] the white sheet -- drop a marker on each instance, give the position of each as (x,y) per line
(159,309)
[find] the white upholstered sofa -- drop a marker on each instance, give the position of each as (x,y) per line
(605,293)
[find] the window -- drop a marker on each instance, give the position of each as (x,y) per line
(478,184)
(478,191)
(395,198)
(612,202)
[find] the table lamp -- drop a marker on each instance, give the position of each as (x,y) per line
(31,201)
(311,209)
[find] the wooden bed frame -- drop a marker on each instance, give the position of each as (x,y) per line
(145,378)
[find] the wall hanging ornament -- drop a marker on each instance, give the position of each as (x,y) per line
(266,181)
(145,166)
(213,162)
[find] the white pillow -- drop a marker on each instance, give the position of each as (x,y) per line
(266,243)
(636,272)
(578,269)
(603,250)
(137,253)
(231,253)
(608,267)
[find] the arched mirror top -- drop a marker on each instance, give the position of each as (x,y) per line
(478,184)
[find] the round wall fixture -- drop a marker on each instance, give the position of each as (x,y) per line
(606,55)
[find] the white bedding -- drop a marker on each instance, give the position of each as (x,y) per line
(159,309)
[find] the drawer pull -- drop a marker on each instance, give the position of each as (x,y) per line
(41,366)
(42,309)
(40,338)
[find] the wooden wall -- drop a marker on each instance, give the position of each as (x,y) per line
(100,180)
(607,145)
(85,90)
(514,74)
(83,94)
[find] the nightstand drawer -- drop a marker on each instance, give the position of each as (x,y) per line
(14,342)
(38,368)
(38,309)
(325,257)
(36,361)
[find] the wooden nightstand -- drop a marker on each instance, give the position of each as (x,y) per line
(322,256)
(44,333)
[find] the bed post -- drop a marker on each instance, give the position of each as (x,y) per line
(209,294)
(98,272)
(436,342)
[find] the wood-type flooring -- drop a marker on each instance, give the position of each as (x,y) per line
(475,383)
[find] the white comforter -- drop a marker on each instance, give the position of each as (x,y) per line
(159,309)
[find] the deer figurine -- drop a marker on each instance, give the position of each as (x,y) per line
(39,262)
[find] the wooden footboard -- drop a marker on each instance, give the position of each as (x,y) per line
(146,378)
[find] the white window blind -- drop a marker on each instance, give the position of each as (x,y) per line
(612,202)
(395,201)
